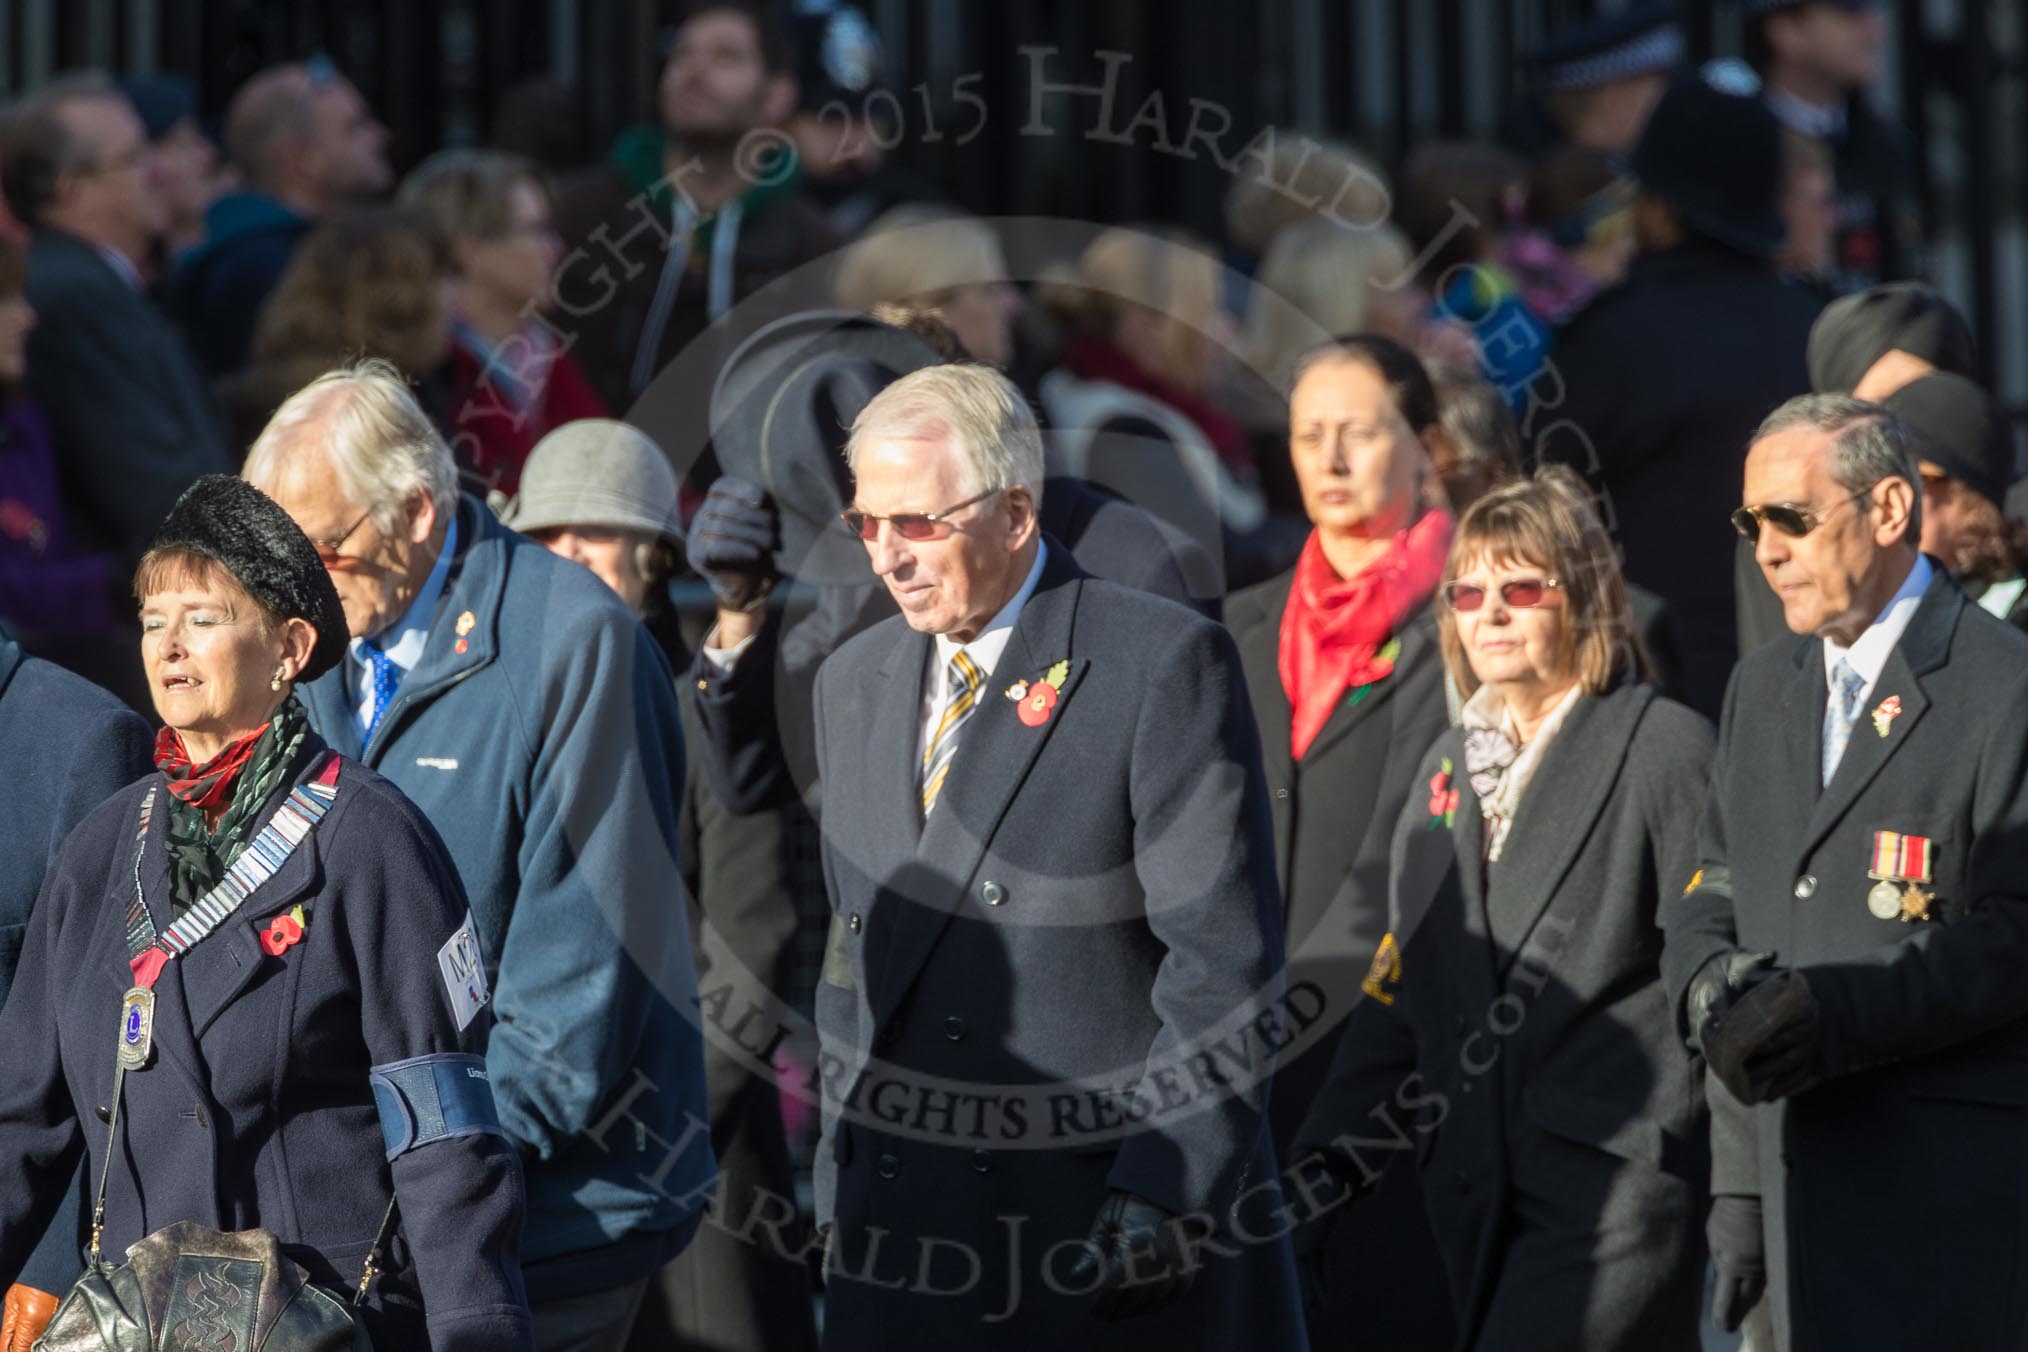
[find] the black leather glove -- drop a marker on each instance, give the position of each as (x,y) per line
(1134,1261)
(1739,1258)
(1719,985)
(1769,1045)
(732,542)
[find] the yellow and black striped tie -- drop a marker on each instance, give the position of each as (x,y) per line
(943,744)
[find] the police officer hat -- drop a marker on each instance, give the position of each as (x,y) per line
(1639,40)
(1858,330)
(1716,159)
(1961,428)
(780,415)
(238,527)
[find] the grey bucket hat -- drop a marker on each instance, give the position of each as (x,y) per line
(597,472)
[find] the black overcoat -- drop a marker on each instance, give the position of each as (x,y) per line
(1524,1049)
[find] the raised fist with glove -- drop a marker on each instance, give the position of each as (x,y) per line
(731,546)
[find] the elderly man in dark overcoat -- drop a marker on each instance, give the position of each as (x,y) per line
(1848,954)
(1050,998)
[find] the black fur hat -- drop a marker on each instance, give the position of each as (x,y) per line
(232,522)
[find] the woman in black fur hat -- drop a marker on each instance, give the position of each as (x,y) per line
(301,1004)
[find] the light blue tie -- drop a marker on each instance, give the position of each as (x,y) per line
(1841,710)
(385,678)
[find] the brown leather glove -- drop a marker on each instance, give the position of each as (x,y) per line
(28,1314)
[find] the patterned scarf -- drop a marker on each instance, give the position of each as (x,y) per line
(244,775)
(1334,628)
(1497,765)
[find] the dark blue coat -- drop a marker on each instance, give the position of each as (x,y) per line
(257,1110)
(65,747)
(1067,981)
(549,754)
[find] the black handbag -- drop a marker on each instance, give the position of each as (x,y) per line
(190,1287)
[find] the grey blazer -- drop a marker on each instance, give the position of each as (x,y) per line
(1895,1193)
(1065,982)
(1523,1051)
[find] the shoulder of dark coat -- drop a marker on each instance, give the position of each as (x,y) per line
(1262,601)
(1116,613)
(1670,736)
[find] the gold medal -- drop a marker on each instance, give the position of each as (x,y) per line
(137,1027)
(1915,905)
(1884,901)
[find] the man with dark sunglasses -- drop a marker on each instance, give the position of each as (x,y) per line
(1848,954)
(1049,852)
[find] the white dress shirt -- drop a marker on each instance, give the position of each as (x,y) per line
(1869,652)
(404,640)
(984,650)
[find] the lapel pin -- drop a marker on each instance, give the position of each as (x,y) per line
(284,932)
(1016,691)
(466,623)
(1034,703)
(1885,712)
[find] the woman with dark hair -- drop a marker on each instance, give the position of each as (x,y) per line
(1515,1027)
(1347,686)
(302,1007)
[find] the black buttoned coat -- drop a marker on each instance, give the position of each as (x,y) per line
(1524,1052)
(1895,1193)
(1065,982)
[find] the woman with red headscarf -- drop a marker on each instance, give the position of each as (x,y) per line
(1348,689)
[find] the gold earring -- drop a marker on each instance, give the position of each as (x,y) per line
(276,684)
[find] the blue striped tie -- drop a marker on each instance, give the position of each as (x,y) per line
(1840,712)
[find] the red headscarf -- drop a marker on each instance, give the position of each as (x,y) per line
(1333,628)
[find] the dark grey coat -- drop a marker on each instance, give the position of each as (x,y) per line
(1086,930)
(1335,812)
(1896,1192)
(1526,1052)
(130,421)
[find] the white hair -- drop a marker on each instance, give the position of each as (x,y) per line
(382,445)
(991,426)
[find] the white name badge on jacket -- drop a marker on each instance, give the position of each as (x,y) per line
(464,973)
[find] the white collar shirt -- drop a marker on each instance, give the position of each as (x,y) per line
(404,640)
(1869,652)
(984,650)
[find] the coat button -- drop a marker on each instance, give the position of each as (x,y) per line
(105,1113)
(854,923)
(1806,887)
(1460,1178)
(887,1166)
(1281,793)
(982,1161)
(954,1028)
(992,892)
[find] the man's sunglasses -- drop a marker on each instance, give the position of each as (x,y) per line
(1520,593)
(1791,519)
(909,525)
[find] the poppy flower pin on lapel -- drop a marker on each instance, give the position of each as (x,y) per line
(284,932)
(1033,701)
(1443,796)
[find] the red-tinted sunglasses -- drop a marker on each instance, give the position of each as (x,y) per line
(908,525)
(1520,593)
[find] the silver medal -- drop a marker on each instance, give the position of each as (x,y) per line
(1884,901)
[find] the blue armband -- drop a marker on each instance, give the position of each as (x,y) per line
(429,1098)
